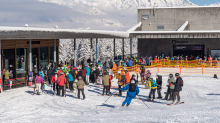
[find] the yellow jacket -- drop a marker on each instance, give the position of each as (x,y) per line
(151,85)
(119,79)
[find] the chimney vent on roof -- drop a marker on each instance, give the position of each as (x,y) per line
(26,25)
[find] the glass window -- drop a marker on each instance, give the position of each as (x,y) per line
(21,62)
(160,27)
(144,17)
(44,58)
(35,57)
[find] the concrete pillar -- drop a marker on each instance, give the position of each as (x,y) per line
(30,55)
(55,51)
(1,58)
(97,51)
(74,51)
(114,49)
(131,47)
(123,48)
(91,50)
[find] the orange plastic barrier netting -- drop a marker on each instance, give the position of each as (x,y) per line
(183,67)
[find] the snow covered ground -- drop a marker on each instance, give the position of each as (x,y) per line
(200,94)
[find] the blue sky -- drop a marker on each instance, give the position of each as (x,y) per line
(203,2)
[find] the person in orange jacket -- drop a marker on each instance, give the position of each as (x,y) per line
(62,82)
(114,67)
(127,77)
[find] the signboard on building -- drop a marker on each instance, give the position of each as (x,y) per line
(188,47)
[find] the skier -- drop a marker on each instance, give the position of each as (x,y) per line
(38,81)
(131,93)
(80,86)
(159,85)
(87,74)
(119,77)
(153,86)
(105,79)
(71,80)
(147,78)
(170,87)
(55,79)
(178,87)
(127,77)
(142,74)
(62,82)
(49,74)
(84,71)
(133,78)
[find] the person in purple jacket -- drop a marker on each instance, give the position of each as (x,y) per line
(38,81)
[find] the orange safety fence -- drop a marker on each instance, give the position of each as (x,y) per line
(181,66)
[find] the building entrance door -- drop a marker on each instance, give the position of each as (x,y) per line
(9,61)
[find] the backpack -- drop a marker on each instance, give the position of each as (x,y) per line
(153,83)
(181,84)
(132,87)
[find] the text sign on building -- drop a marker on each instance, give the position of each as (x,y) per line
(188,47)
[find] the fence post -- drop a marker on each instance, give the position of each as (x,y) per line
(180,68)
(136,68)
(158,69)
(164,62)
(202,68)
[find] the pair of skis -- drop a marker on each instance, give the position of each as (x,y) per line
(175,103)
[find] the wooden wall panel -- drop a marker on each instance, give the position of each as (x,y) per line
(22,43)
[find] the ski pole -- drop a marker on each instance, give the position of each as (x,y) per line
(142,101)
(108,98)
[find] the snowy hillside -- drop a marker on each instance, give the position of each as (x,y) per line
(112,14)
(201,105)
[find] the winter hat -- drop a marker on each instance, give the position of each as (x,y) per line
(119,72)
(148,71)
(80,77)
(171,75)
(67,73)
(177,74)
(158,74)
(132,81)
(133,76)
(61,73)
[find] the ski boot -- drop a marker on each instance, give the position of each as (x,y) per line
(172,103)
(127,105)
(177,103)
(122,105)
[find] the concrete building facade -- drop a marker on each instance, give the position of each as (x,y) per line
(164,30)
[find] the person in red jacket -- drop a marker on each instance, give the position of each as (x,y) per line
(55,78)
(62,82)
(110,82)
(84,71)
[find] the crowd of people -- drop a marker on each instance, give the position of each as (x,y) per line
(76,77)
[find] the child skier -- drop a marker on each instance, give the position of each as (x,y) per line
(153,86)
(131,93)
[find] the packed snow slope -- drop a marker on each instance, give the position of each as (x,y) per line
(200,94)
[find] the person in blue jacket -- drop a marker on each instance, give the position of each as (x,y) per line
(87,74)
(147,61)
(131,93)
(130,62)
(71,80)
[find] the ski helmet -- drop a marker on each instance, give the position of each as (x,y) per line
(177,74)
(158,74)
(171,75)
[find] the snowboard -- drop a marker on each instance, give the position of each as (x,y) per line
(175,104)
